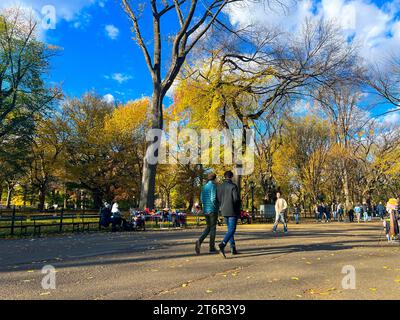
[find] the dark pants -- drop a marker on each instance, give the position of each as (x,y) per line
(351,217)
(231,222)
(211,229)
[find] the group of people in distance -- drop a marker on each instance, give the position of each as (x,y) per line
(325,212)
(336,212)
(112,215)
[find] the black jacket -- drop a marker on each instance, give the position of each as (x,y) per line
(228,199)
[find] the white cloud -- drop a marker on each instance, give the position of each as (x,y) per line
(109,98)
(112,31)
(302,107)
(392,119)
(376,28)
(71,11)
(171,92)
(119,77)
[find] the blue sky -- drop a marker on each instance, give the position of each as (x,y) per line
(98,52)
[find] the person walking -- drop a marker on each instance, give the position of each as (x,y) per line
(365,210)
(351,214)
(320,210)
(280,210)
(327,212)
(296,213)
(340,211)
(210,210)
(358,211)
(196,210)
(381,210)
(334,211)
(229,204)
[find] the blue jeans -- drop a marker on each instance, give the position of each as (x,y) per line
(280,218)
(297,218)
(231,222)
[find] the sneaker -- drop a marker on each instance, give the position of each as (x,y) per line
(197,247)
(222,250)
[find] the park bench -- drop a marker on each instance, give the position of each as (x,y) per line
(47,220)
(85,224)
(12,220)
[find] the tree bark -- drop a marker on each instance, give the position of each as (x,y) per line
(42,197)
(97,199)
(10,189)
(346,189)
(25,196)
(147,193)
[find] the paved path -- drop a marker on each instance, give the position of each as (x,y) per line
(306,264)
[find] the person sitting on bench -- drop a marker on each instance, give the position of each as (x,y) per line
(116,218)
(105,215)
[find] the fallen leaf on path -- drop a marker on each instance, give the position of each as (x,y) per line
(299,296)
(184,285)
(30,271)
(209,291)
(372,289)
(295,278)
(45,293)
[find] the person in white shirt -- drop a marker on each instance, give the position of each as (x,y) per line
(280,209)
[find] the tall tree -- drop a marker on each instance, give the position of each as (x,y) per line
(24,61)
(47,152)
(194,19)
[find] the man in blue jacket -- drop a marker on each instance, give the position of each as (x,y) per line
(210,210)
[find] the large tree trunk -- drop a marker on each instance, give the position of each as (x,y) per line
(65,204)
(147,194)
(1,192)
(25,195)
(346,189)
(42,197)
(10,189)
(97,199)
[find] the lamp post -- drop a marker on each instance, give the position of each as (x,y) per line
(252,185)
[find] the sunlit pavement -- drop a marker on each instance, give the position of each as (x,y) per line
(305,264)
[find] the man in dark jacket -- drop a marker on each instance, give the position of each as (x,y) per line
(229,204)
(381,210)
(210,210)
